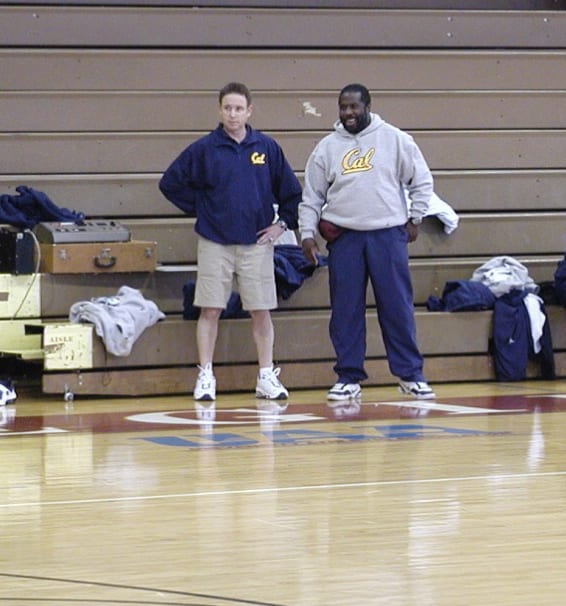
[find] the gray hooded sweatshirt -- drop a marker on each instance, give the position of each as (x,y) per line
(357,181)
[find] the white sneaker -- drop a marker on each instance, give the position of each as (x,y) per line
(205,387)
(418,389)
(269,386)
(344,391)
(7,392)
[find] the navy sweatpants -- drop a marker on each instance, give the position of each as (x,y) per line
(380,256)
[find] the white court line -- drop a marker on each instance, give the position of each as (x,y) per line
(33,432)
(549,395)
(251,491)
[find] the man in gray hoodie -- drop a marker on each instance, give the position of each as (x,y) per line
(354,195)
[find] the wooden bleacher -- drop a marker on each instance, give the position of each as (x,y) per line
(95,101)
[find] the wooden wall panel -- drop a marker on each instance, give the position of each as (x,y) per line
(494,234)
(234,378)
(109,195)
(60,291)
(91,153)
(280,70)
(125,111)
(176,239)
(491,5)
(171,342)
(493,149)
(104,195)
(491,190)
(478,234)
(297,375)
(165,288)
(274,27)
(429,277)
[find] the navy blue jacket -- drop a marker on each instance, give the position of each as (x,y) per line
(30,207)
(512,340)
(462,295)
(292,268)
(231,187)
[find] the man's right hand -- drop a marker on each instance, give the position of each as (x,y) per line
(310,250)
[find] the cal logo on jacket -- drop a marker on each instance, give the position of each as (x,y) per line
(257,158)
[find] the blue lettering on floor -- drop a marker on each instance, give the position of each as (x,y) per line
(306,436)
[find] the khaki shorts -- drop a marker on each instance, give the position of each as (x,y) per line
(249,266)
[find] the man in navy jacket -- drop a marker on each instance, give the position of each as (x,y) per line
(230,180)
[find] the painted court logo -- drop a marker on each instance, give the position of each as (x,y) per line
(355,162)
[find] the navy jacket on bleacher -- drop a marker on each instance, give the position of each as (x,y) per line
(512,340)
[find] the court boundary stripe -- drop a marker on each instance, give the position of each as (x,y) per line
(251,491)
(129,587)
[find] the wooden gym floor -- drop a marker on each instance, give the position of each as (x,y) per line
(145,501)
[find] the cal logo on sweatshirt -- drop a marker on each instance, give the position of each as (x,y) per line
(354,162)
